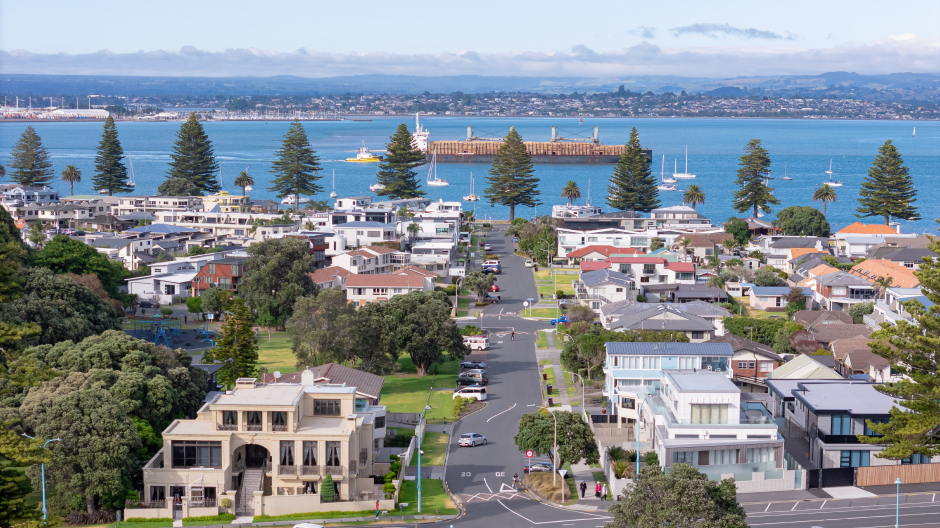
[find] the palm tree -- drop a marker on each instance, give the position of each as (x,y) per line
(882,284)
(72,175)
(729,245)
(413,229)
(571,191)
(693,196)
(824,194)
(716,282)
(243,180)
(683,244)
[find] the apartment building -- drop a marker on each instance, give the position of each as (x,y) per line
(371,260)
(367,233)
(595,289)
(751,363)
(222,273)
(270,445)
(365,289)
(233,225)
(227,203)
(155,204)
(14,194)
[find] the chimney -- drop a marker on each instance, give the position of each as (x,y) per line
(306,377)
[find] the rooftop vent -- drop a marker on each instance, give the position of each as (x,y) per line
(246,383)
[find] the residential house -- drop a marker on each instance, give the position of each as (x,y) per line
(892,309)
(710,312)
(594,289)
(162,287)
(227,203)
(598,253)
(803,367)
(259,206)
(909,258)
(367,233)
(317,245)
(686,293)
(777,248)
(271,445)
(371,260)
(891,244)
(854,357)
(364,289)
(222,273)
(13,195)
(773,298)
(839,291)
(330,277)
(827,333)
(901,276)
(245,227)
(855,239)
(660,317)
(751,363)
(702,246)
(812,319)
(155,204)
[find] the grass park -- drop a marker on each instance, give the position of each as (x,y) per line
(434,446)
(434,501)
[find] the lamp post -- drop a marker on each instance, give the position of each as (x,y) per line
(44,476)
(582,387)
(555,455)
(897,503)
(457,296)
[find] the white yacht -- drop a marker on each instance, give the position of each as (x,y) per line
(663,186)
(471,197)
(289,200)
(662,174)
(685,175)
(333,193)
(785,177)
(420,137)
(433,180)
(130,179)
(832,183)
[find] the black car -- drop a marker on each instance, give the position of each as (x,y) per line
(473,365)
(491,270)
(471,381)
(144,303)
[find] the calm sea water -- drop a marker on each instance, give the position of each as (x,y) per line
(804,146)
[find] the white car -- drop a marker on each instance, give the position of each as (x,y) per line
(529,263)
(471,440)
(308,525)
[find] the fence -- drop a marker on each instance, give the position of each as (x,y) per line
(909,474)
(408,418)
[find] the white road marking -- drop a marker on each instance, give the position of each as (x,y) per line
(503,487)
(767,508)
(531,405)
(497,414)
(487,485)
(823,504)
(794,506)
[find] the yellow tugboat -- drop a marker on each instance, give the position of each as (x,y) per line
(365,156)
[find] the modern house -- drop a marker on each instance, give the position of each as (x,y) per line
(367,233)
(371,260)
(712,313)
(227,203)
(855,239)
(598,253)
(364,289)
(803,367)
(777,248)
(751,363)
(773,298)
(839,291)
(596,288)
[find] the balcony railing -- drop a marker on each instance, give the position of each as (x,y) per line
(202,503)
(333,470)
(129,504)
(226,427)
(286,470)
(279,427)
(837,439)
(310,470)
(254,427)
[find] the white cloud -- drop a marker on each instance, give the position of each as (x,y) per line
(893,54)
(713,30)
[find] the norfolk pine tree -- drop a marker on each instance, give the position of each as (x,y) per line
(110,173)
(397,171)
(888,190)
(754,193)
(29,161)
(236,347)
(511,180)
(193,158)
(296,166)
(633,186)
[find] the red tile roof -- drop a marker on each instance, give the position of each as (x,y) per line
(326,274)
(680,266)
(594,265)
(604,250)
(636,260)
(867,229)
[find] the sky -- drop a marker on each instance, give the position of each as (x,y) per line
(559,38)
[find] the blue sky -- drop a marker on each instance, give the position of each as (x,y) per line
(598,38)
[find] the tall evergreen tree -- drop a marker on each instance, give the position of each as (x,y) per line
(30,161)
(633,186)
(753,177)
(193,158)
(888,191)
(237,346)
(110,173)
(297,166)
(397,171)
(511,177)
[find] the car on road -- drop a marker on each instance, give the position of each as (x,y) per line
(491,270)
(529,263)
(488,247)
(471,440)
(473,365)
(494,288)
(477,342)
(473,391)
(562,319)
(542,467)
(477,370)
(144,303)
(492,298)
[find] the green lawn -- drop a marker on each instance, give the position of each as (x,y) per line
(405,391)
(442,407)
(548,288)
(434,501)
(158,524)
(569,379)
(572,391)
(313,515)
(600,477)
(545,362)
(276,354)
(572,486)
(542,341)
(546,313)
(550,374)
(434,446)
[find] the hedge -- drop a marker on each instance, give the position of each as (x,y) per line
(148,519)
(220,518)
(313,515)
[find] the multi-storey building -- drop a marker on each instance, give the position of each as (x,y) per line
(227,203)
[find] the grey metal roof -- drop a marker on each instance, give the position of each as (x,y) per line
(700,381)
(365,224)
(701,309)
(799,242)
(161,228)
(643,321)
(910,254)
(593,278)
(854,398)
(841,279)
(110,242)
(776,290)
(698,291)
(670,349)
(739,343)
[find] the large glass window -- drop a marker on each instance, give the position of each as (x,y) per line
(332,454)
(723,456)
(194,453)
(685,457)
(628,403)
(868,430)
(842,425)
(854,459)
(279,420)
(379,422)
(361,404)
(709,414)
(230,417)
(326,407)
(310,488)
(287,453)
(310,453)
(157,493)
(760,454)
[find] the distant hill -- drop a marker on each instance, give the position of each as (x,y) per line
(38,85)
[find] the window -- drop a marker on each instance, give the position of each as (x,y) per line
(915,459)
(649,269)
(326,407)
(375,234)
(766,366)
(157,493)
(287,453)
(379,422)
(361,404)
(684,457)
(644,279)
(742,365)
(759,454)
(310,453)
(595,305)
(709,414)
(254,418)
(698,335)
(616,360)
(750,365)
(686,362)
(628,403)
(379,291)
(642,362)
(279,420)
(169,289)
(194,453)
(854,459)
(763,298)
(842,425)
(332,454)
(592,239)
(310,488)
(722,456)
(619,290)
(230,417)
(211,269)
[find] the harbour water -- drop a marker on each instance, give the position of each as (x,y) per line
(805,146)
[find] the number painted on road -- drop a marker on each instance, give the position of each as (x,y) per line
(500,473)
(464,473)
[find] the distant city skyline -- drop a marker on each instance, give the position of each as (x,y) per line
(550,38)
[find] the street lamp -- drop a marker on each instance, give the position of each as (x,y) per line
(582,387)
(555,453)
(897,503)
(639,416)
(44,475)
(457,296)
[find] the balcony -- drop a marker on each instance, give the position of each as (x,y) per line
(751,415)
(333,470)
(226,427)
(285,470)
(279,427)
(129,504)
(837,439)
(253,427)
(309,470)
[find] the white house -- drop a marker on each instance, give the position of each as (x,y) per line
(364,289)
(367,233)
(594,289)
(371,260)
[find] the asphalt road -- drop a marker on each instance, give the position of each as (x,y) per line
(922,511)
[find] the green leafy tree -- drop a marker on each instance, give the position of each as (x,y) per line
(571,191)
(766,277)
(682,498)
(194,304)
(243,180)
(860,310)
(36,235)
(511,177)
(657,243)
(803,221)
(824,194)
(911,348)
(178,187)
(236,347)
(215,301)
(633,186)
(164,256)
(479,283)
(67,255)
(276,276)
(575,438)
(30,161)
(374,340)
(796,301)
(14,485)
(738,228)
(71,175)
(193,159)
(753,178)
(397,171)
(110,173)
(760,330)
(321,327)
(693,196)
(296,166)
(888,190)
(424,330)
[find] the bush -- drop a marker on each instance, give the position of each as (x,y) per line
(541,485)
(631,455)
(580,314)
(651,458)
(225,502)
(400,440)
(470,330)
(617,453)
(727,306)
(147,519)
(641,298)
(766,277)
(623,469)
(487,225)
(166,311)
(860,310)
(223,518)
(388,489)
(194,304)
(822,352)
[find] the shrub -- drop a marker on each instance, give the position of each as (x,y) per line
(147,519)
(327,491)
(617,453)
(225,502)
(727,306)
(860,310)
(651,458)
(822,352)
(631,455)
(641,298)
(166,311)
(580,314)
(470,330)
(220,518)
(541,485)
(487,224)
(623,469)
(388,489)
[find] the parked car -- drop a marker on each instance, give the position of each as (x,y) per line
(494,288)
(492,298)
(473,365)
(473,371)
(482,243)
(488,247)
(472,380)
(473,391)
(562,319)
(491,262)
(471,440)
(491,270)
(477,342)
(529,263)
(542,467)
(144,303)
(515,240)
(308,525)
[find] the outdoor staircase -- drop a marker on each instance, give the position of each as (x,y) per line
(251,482)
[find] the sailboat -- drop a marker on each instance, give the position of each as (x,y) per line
(785,177)
(130,179)
(914,133)
(832,183)
(662,176)
(376,186)
(433,180)
(685,175)
(676,167)
(333,193)
(471,197)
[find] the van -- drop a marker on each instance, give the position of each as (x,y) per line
(475,377)
(471,392)
(492,262)
(477,342)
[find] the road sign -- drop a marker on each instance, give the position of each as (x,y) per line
(210,316)
(529,453)
(525,304)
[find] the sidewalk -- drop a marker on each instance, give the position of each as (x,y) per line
(583,472)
